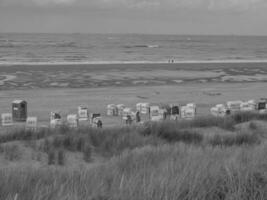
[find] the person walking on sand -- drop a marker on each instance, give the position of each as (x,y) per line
(99,124)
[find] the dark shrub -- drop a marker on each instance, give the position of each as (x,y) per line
(80,144)
(67,142)
(61,157)
(172,132)
(51,157)
(186,136)
(237,139)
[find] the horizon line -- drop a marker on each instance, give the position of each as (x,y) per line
(135,33)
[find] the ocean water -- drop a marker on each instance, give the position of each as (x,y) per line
(115,48)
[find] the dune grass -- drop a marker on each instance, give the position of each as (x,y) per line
(168,160)
(174,171)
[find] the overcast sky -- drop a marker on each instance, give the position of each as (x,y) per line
(241,17)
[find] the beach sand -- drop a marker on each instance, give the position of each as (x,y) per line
(64,88)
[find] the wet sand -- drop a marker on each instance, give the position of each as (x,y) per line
(124,75)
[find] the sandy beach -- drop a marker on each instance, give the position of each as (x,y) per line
(63,88)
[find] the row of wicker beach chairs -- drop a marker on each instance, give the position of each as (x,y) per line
(141,113)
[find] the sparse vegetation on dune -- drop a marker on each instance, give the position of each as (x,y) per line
(168,160)
(165,172)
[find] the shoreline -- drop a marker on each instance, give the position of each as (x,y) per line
(10,64)
(104,67)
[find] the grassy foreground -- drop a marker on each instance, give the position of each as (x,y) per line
(208,158)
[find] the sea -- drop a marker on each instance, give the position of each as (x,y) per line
(18,48)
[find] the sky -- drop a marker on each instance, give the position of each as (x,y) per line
(208,17)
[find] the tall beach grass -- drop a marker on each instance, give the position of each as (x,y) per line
(167,160)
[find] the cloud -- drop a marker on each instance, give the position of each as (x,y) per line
(209,5)
(60,2)
(37,2)
(234,4)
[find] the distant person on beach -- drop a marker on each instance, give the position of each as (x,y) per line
(99,124)
(129,120)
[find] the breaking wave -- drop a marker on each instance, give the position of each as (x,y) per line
(21,44)
(140,46)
